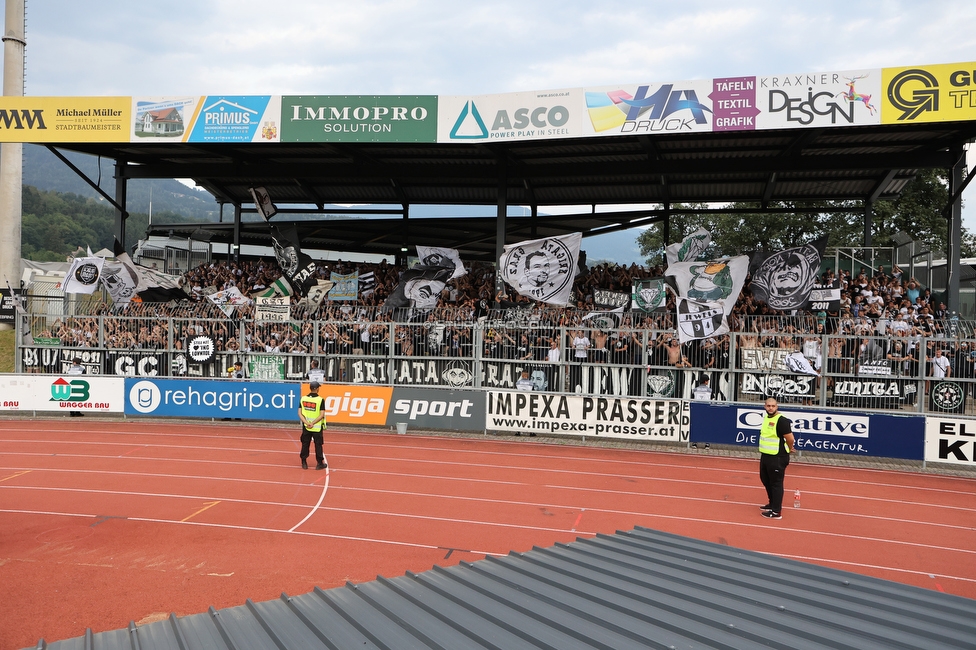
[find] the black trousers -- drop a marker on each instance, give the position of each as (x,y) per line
(772,471)
(307,438)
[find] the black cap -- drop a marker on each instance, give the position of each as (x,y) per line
(313,385)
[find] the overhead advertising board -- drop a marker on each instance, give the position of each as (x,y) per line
(647,109)
(236,118)
(162,119)
(536,115)
(359,118)
(818,99)
(65,119)
(929,93)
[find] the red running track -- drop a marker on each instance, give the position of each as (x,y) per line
(111,521)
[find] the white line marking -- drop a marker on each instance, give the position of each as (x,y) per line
(873,566)
(325,488)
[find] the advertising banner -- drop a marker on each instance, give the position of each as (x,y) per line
(359,118)
(430,408)
(8,305)
(838,432)
(606,417)
(61,393)
(65,119)
(236,118)
(345,404)
(162,119)
(950,440)
(536,115)
(929,93)
(643,109)
(202,398)
(819,99)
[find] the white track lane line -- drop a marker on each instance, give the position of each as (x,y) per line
(325,488)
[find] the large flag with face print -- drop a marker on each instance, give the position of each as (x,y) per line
(707,293)
(298,268)
(542,269)
(690,248)
(784,280)
(83,275)
(442,257)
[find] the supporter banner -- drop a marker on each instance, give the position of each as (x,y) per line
(456,373)
(418,287)
(266,367)
(462,410)
(779,386)
(764,359)
(237,118)
(64,119)
(542,269)
(928,93)
(83,275)
(947,397)
(883,392)
(826,297)
(649,295)
(275,308)
(606,417)
(504,374)
(201,398)
(344,287)
(229,299)
(61,394)
(132,363)
(874,367)
(611,299)
(344,404)
(679,107)
(838,432)
(784,280)
(708,292)
(950,440)
(298,268)
(448,258)
(58,360)
(819,99)
(536,115)
(359,118)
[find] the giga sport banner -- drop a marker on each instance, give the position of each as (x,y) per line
(606,417)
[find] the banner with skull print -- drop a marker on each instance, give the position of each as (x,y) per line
(784,280)
(542,269)
(419,287)
(707,293)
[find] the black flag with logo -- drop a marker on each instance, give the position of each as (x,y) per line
(784,280)
(298,268)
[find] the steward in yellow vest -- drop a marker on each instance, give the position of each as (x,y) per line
(312,415)
(775,446)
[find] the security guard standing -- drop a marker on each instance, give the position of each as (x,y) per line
(312,415)
(775,446)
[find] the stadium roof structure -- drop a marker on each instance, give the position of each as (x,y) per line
(636,589)
(864,164)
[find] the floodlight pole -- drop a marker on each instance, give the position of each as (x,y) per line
(11,162)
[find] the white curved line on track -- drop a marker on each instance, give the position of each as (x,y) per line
(325,488)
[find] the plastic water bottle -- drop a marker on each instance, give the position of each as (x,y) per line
(796,499)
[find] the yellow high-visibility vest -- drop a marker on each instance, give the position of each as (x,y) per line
(768,440)
(311,408)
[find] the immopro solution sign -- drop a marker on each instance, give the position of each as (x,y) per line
(358,118)
(608,417)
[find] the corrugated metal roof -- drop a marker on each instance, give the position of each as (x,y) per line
(636,589)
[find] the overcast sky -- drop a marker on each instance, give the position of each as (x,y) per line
(121,47)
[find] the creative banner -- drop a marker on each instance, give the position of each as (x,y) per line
(839,432)
(606,417)
(462,410)
(537,115)
(65,119)
(61,393)
(359,118)
(950,440)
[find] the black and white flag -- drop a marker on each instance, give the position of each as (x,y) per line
(707,293)
(419,287)
(431,256)
(784,280)
(297,267)
(690,248)
(83,275)
(542,269)
(262,201)
(367,284)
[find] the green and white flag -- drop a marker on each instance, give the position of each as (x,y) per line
(707,293)
(690,248)
(649,295)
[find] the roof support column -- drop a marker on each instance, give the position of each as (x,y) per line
(500,215)
(666,225)
(955,228)
(121,189)
(868,221)
(401,256)
(237,233)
